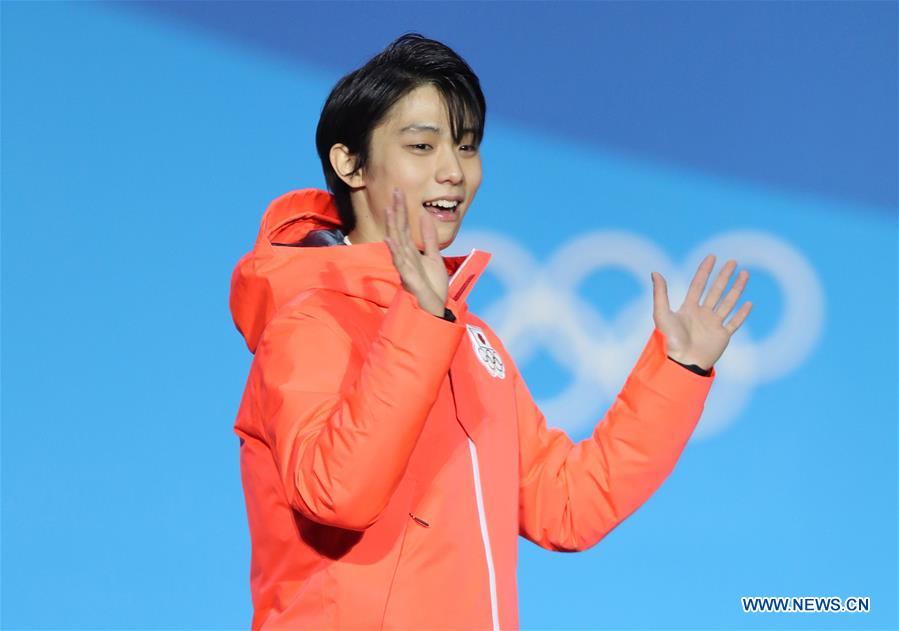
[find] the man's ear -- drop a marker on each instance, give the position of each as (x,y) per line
(342,161)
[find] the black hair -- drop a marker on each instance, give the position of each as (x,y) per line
(361,99)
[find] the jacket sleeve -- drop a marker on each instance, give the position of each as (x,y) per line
(572,495)
(341,427)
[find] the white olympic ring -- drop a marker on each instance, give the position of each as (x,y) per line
(540,308)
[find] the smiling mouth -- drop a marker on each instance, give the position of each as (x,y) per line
(444,204)
(443,213)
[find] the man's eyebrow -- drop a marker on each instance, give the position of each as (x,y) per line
(433,128)
(420,127)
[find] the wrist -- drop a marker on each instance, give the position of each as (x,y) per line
(687,361)
(433,307)
(699,370)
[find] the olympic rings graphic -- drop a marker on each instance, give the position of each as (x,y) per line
(539,308)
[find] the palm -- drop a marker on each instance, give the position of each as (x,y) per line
(696,333)
(422,274)
(434,267)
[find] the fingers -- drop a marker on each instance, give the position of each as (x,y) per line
(727,304)
(739,317)
(402,213)
(697,285)
(394,238)
(397,225)
(720,283)
(733,295)
(429,235)
(390,237)
(659,294)
(406,257)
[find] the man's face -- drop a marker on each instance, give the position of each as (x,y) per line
(412,149)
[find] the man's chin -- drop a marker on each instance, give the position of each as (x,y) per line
(444,241)
(444,238)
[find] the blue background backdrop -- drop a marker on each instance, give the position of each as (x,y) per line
(142,142)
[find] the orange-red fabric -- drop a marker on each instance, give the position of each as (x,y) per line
(389,461)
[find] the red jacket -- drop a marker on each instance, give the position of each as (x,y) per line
(390,458)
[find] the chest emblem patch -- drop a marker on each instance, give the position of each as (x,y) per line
(486,353)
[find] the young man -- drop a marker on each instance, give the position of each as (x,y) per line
(391,453)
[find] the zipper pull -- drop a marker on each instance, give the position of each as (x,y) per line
(420,520)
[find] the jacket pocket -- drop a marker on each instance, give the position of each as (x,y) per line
(407,522)
(359,586)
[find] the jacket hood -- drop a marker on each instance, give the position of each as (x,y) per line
(285,261)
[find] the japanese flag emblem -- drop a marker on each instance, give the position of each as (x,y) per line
(486,353)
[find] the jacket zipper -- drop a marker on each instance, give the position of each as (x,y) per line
(482,519)
(484,534)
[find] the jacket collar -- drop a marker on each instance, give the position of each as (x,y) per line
(284,262)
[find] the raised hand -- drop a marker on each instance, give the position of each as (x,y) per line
(696,333)
(423,275)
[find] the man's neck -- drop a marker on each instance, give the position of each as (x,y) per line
(358,235)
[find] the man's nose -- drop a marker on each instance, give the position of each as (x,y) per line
(449,169)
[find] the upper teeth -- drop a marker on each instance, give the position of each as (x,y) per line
(443,203)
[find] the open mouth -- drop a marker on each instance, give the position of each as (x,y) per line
(443,209)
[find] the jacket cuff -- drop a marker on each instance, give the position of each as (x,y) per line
(668,378)
(407,325)
(693,367)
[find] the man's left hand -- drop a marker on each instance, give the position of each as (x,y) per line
(696,333)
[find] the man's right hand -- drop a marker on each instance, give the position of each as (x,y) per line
(423,275)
